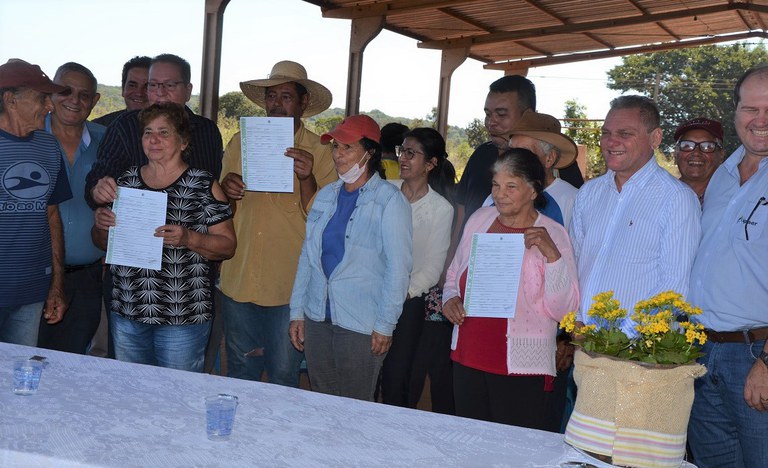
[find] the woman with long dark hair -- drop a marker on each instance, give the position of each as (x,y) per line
(427,180)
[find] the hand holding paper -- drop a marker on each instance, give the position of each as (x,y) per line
(132,241)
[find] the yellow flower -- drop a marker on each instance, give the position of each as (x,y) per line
(568,323)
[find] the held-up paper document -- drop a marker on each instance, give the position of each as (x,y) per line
(495,263)
(264,140)
(132,241)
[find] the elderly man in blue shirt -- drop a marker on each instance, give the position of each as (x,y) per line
(79,140)
(729,281)
(635,229)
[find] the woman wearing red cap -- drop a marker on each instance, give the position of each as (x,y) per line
(354,267)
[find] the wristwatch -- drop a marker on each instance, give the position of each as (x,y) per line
(764,357)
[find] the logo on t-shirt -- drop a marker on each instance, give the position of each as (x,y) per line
(26,181)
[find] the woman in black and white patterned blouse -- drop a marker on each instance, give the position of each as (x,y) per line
(163,317)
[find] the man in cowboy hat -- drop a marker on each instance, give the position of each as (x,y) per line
(256,283)
(34,182)
(540,134)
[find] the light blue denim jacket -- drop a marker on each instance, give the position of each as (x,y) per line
(368,287)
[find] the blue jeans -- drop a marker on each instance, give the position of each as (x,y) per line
(173,346)
(20,324)
(257,340)
(723,430)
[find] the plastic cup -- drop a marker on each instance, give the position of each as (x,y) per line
(26,376)
(220,415)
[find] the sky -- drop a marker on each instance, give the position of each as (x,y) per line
(398,78)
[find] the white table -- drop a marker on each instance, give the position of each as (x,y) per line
(91,411)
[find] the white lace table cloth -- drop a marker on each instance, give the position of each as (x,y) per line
(91,411)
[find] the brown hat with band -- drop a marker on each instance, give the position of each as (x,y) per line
(544,127)
(17,73)
(320,97)
(714,127)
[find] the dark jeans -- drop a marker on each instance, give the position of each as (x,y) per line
(433,358)
(396,371)
(340,361)
(723,429)
(515,400)
(75,331)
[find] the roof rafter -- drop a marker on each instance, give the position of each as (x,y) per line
(589,26)
(582,56)
(395,7)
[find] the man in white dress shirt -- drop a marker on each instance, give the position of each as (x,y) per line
(635,229)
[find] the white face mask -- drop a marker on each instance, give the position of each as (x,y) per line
(354,172)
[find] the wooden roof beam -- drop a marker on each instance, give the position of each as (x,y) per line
(589,26)
(582,56)
(395,7)
(600,41)
(661,25)
(752,21)
(465,19)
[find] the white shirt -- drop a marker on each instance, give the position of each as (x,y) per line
(432,221)
(564,195)
(637,242)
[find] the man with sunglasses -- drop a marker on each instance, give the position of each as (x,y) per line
(169,81)
(729,282)
(698,152)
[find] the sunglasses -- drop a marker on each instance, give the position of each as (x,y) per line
(705,146)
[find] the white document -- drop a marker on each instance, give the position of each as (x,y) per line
(132,240)
(264,140)
(495,263)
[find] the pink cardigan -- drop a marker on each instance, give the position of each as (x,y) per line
(548,291)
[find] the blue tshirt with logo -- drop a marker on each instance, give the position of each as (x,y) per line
(32,177)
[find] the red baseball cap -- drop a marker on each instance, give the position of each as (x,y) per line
(17,73)
(714,127)
(353,129)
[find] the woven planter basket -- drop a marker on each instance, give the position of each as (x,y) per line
(635,413)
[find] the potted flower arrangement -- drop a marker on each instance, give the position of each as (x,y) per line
(635,392)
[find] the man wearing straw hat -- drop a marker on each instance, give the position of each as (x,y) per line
(256,283)
(540,134)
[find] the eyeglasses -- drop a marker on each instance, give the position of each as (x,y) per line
(761,201)
(167,85)
(406,153)
(705,146)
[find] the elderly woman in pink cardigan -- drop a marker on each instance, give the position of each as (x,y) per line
(503,368)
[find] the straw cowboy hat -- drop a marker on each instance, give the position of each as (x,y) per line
(284,72)
(544,127)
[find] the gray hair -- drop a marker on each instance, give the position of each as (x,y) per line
(77,68)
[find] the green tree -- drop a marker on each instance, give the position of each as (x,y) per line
(689,83)
(587,133)
(477,134)
(235,104)
(326,124)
